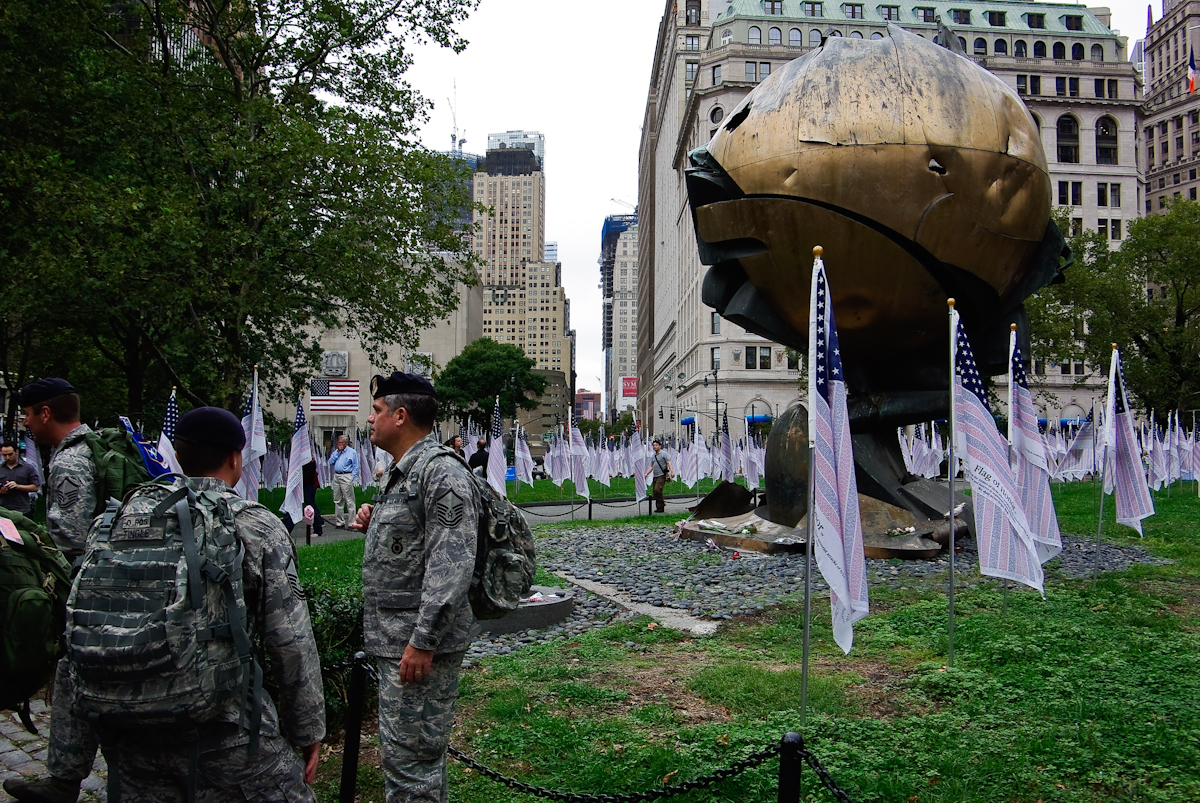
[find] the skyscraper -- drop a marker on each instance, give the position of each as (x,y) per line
(618,287)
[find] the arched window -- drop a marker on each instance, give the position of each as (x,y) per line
(1068,139)
(877,35)
(814,38)
(1097,52)
(1020,49)
(795,38)
(754,35)
(835,33)
(1037,121)
(1077,52)
(716,115)
(1039,50)
(962,43)
(981,47)
(775,37)
(1060,50)
(1000,47)
(726,36)
(693,12)
(856,34)
(1106,141)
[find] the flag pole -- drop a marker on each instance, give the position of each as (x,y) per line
(810,527)
(950,476)
(1012,342)
(1110,407)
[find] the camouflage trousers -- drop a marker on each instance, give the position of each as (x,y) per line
(414,729)
(157,770)
(73,746)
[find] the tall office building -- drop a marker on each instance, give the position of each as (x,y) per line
(550,253)
(524,302)
(618,288)
(1064,61)
(1170,142)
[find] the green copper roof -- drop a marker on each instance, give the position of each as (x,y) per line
(1015,19)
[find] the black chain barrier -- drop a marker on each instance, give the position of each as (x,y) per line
(791,752)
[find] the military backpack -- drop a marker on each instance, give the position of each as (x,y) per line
(119,464)
(505,562)
(34,581)
(156,618)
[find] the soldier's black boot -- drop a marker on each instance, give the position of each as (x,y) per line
(43,790)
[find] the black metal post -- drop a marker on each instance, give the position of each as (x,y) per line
(790,765)
(308,535)
(589,508)
(354,706)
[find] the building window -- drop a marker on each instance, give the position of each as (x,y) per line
(1063,188)
(693,12)
(1077,52)
(996,18)
(1068,139)
(793,360)
(1102,228)
(925,14)
(1022,84)
(1191,194)
(1035,88)
(752,358)
(980,47)
(795,38)
(962,43)
(1114,195)
(1074,22)
(1000,47)
(814,38)
(690,69)
(716,74)
(877,35)
(1039,50)
(764,358)
(1175,179)
(754,35)
(691,42)
(1060,50)
(715,324)
(1077,193)
(1114,228)
(1035,20)
(774,37)
(1113,85)
(726,37)
(1060,86)
(1073,87)
(751,71)
(854,11)
(1097,52)
(890,13)
(1106,141)
(714,358)
(1020,49)
(1150,154)
(960,16)
(774,7)
(814,9)
(1099,87)
(1102,194)
(764,69)
(715,116)
(1076,226)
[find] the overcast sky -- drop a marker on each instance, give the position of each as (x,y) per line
(578,72)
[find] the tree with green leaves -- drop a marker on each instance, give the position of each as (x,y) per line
(223,183)
(1144,297)
(469,384)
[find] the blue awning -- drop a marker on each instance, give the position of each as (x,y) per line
(691,419)
(758,419)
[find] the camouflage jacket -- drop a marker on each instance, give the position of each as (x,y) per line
(415,579)
(71,492)
(277,618)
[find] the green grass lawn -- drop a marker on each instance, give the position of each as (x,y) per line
(1092,694)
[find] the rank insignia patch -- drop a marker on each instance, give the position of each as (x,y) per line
(450,509)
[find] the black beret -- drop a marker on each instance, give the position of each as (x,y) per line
(400,382)
(43,390)
(211,426)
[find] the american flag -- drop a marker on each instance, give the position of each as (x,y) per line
(497,463)
(524,460)
(256,444)
(293,500)
(1122,458)
(1005,540)
(166,445)
(1029,460)
(579,456)
(727,467)
(836,526)
(334,395)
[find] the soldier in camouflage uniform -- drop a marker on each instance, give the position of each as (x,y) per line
(154,768)
(417,566)
(51,412)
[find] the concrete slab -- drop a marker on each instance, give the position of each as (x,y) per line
(667,617)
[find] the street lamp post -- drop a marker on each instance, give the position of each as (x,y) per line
(717,392)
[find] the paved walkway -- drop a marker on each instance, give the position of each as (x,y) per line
(24,755)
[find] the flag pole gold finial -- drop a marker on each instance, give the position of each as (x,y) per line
(173,388)
(950,303)
(1114,345)
(818,252)
(1012,327)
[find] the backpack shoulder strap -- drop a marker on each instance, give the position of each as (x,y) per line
(415,481)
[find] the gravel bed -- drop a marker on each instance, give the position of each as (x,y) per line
(655,567)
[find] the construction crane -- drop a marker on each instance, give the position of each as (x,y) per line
(456,144)
(623,203)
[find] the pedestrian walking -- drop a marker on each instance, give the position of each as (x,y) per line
(18,480)
(660,467)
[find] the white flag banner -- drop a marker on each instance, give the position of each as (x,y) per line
(293,498)
(1029,462)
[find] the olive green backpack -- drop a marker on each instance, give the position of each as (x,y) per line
(35,579)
